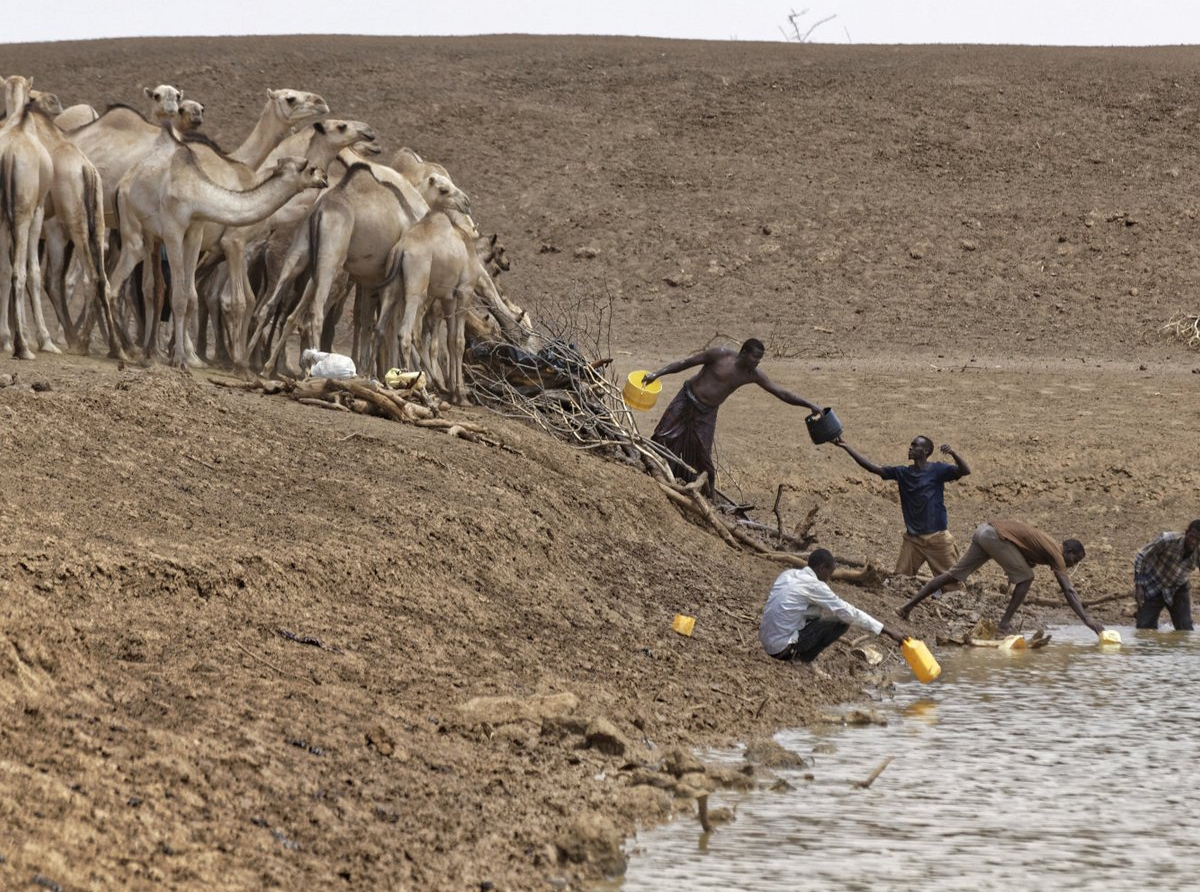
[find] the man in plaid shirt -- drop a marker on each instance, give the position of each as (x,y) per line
(1160,578)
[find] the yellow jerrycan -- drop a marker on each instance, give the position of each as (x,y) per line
(923,665)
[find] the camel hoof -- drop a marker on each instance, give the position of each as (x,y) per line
(25,353)
(194,362)
(49,347)
(78,349)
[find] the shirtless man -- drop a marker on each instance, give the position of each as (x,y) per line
(689,424)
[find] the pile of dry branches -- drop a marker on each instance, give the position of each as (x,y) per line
(366,397)
(1185,327)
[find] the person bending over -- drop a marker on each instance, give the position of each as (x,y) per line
(1017,547)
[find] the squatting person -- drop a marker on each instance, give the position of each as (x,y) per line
(803,615)
(1160,578)
(922,488)
(1017,547)
(689,424)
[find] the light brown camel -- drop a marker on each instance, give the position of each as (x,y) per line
(26,172)
(75,117)
(414,168)
(74,205)
(284,111)
(438,268)
(167,195)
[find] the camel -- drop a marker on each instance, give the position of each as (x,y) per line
(26,172)
(438,267)
(74,203)
(190,116)
(166,194)
(284,111)
(76,116)
(409,164)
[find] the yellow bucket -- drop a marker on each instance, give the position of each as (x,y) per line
(684,624)
(923,665)
(1110,636)
(638,396)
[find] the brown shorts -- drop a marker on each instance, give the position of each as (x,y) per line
(937,549)
(986,545)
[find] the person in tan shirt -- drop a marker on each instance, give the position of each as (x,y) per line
(1017,547)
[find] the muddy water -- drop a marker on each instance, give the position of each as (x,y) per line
(1071,767)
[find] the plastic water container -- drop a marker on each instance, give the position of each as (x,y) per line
(683,624)
(1110,636)
(638,395)
(920,660)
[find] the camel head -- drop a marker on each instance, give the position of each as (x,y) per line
(46,102)
(295,107)
(300,173)
(366,149)
(492,254)
(442,195)
(191,115)
(166,101)
(17,91)
(341,134)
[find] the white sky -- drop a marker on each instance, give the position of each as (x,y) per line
(1048,22)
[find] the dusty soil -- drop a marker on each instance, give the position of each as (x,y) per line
(976,244)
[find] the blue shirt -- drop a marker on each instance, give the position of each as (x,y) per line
(922,495)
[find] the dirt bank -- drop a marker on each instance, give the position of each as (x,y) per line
(976,246)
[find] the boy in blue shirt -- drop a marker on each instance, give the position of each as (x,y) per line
(922,501)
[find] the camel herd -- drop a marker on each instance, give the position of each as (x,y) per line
(259,244)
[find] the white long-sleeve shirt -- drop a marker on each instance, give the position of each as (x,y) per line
(796,599)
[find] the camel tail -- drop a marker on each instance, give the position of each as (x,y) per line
(92,207)
(395,263)
(8,190)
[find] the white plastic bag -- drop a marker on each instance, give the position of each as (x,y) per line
(327,365)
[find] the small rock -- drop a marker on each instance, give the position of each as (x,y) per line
(968,244)
(585,253)
(592,839)
(40,386)
(768,753)
(680,762)
(603,735)
(382,742)
(7,380)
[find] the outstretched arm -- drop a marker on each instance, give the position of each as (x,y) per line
(782,393)
(963,469)
(1072,597)
(863,463)
(679,365)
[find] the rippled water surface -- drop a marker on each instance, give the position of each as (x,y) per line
(1069,767)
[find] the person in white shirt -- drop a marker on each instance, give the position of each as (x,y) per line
(803,616)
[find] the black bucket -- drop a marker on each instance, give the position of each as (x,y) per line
(823,426)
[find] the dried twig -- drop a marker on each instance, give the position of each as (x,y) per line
(864,784)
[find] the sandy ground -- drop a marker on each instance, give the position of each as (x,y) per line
(979,245)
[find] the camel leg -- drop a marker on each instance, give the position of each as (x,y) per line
(55,236)
(333,315)
(183,253)
(19,257)
(6,289)
(34,283)
(279,351)
(456,342)
(296,260)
